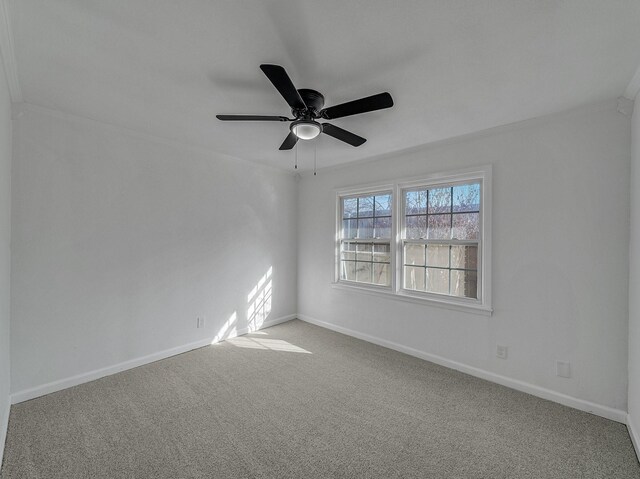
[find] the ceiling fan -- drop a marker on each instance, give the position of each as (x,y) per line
(307,107)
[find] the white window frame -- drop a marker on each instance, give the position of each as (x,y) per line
(481,305)
(362,191)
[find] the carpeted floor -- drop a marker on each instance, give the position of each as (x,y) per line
(298,401)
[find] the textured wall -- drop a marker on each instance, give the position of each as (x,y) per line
(560,254)
(122,241)
(5,254)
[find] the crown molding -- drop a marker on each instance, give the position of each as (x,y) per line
(20,109)
(602,105)
(625,106)
(8,55)
(634,86)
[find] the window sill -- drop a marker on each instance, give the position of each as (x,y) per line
(401,296)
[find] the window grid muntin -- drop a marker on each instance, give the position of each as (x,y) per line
(372,262)
(373,241)
(426,266)
(445,242)
(373,216)
(451,211)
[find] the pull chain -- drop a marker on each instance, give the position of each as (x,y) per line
(315,154)
(296,167)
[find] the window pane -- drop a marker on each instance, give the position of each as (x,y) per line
(382,227)
(348,270)
(438,255)
(414,278)
(349,228)
(464,257)
(466,226)
(382,253)
(416,227)
(439,227)
(365,206)
(415,202)
(464,284)
(439,200)
(348,251)
(381,274)
(349,207)
(466,197)
(364,252)
(438,280)
(365,228)
(414,254)
(363,272)
(383,205)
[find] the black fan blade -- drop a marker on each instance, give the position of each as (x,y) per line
(363,105)
(344,135)
(284,85)
(251,118)
(289,142)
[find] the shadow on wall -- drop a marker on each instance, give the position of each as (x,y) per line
(259,301)
(228,329)
(258,310)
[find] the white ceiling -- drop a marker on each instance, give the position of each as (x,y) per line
(166,67)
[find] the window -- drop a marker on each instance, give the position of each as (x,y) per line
(419,240)
(441,239)
(365,238)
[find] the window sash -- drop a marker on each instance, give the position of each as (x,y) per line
(440,241)
(373,262)
(403,265)
(362,268)
(372,217)
(401,255)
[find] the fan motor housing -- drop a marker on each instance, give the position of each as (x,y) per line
(314,101)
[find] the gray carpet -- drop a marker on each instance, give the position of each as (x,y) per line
(298,401)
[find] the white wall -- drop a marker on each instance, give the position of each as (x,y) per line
(5,256)
(560,251)
(121,241)
(634,282)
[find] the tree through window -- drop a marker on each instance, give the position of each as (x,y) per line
(365,238)
(441,239)
(421,239)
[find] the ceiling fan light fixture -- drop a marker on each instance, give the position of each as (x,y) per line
(306,129)
(307,106)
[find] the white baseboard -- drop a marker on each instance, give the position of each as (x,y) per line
(583,405)
(633,432)
(4,426)
(54,386)
(576,403)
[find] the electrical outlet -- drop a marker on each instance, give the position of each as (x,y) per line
(563,369)
(501,352)
(200,323)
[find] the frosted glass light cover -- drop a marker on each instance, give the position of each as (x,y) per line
(306,131)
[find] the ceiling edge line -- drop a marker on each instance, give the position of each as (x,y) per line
(601,105)
(8,54)
(21,107)
(634,86)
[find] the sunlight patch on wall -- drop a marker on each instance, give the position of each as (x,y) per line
(228,330)
(260,284)
(259,300)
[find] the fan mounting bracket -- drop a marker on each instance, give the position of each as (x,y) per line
(314,101)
